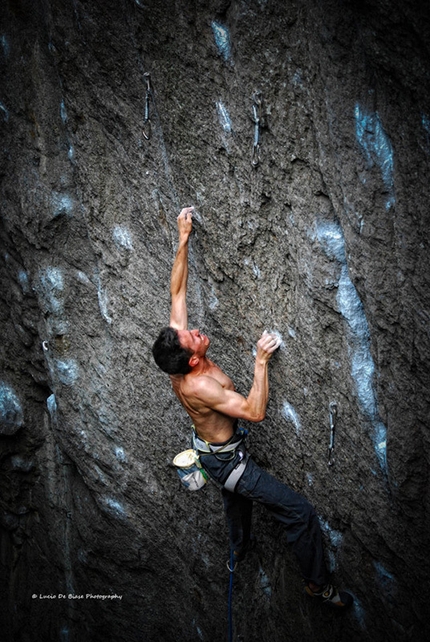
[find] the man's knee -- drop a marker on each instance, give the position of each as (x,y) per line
(309,512)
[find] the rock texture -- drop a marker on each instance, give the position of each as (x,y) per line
(300,131)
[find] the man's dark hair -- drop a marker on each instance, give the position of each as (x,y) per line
(168,353)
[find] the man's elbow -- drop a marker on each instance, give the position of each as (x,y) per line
(256,417)
(260,417)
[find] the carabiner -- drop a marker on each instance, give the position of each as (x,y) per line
(333,415)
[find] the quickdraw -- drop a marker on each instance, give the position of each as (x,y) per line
(256,111)
(333,416)
(147,117)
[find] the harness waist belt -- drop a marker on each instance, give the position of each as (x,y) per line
(206,447)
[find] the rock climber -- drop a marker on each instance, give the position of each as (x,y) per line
(209,397)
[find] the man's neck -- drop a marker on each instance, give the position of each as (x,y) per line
(202,367)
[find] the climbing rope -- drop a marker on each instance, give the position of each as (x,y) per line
(231,567)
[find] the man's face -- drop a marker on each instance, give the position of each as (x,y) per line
(195,341)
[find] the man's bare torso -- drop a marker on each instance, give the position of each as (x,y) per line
(210,425)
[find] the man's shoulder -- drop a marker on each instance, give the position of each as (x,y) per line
(201,381)
(200,386)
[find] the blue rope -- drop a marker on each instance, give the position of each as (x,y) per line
(230,598)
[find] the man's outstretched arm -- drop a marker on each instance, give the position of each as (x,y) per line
(210,393)
(179,276)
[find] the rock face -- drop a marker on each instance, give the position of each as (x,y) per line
(300,131)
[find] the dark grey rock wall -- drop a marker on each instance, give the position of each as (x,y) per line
(324,239)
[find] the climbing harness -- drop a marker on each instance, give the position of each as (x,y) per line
(189,468)
(147,117)
(233,446)
(333,416)
(256,111)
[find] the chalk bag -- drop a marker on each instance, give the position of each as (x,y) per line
(189,469)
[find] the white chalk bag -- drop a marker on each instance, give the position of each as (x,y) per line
(189,469)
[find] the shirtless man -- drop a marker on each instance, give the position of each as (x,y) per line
(209,397)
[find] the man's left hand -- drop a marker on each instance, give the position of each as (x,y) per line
(185,224)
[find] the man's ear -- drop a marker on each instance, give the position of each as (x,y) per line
(193,361)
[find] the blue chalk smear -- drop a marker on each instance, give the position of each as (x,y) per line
(425,121)
(103,304)
(64,634)
(222,40)
(23,281)
(336,538)
(387,583)
(265,584)
(120,454)
(51,403)
(376,147)
(224,117)
(11,415)
(61,204)
(115,507)
(19,463)
(4,45)
(331,237)
(359,612)
(291,415)
(385,578)
(297,78)
(4,112)
(122,237)
(63,112)
(52,279)
(51,286)
(68,371)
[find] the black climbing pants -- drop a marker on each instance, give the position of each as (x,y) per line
(293,511)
